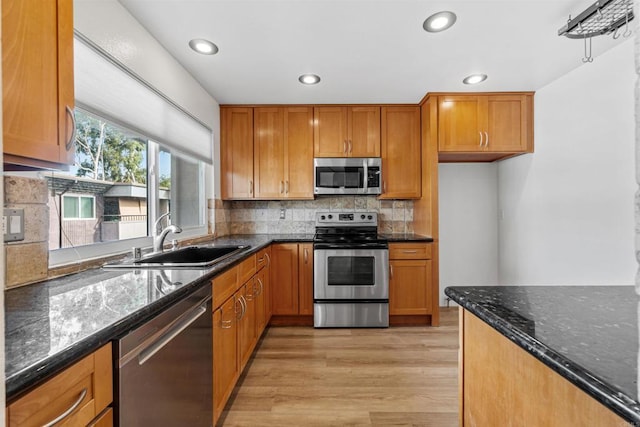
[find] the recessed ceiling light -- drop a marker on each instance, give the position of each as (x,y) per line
(439,21)
(309,79)
(474,79)
(203,46)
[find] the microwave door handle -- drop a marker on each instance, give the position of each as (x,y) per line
(365,177)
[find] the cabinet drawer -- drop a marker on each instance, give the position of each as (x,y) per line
(247,269)
(262,258)
(410,251)
(224,285)
(105,419)
(85,386)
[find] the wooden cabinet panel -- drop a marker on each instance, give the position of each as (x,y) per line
(284,279)
(269,152)
(509,126)
(410,251)
(37,82)
(364,132)
(225,352)
(330,132)
(298,153)
(246,269)
(224,285)
(305,278)
(247,324)
(87,385)
(401,150)
(501,384)
(461,122)
(260,298)
(105,419)
(236,150)
(409,287)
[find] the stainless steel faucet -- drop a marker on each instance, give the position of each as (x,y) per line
(160,234)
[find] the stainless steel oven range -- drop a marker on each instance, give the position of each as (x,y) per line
(351,271)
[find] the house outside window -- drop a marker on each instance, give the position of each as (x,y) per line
(78,207)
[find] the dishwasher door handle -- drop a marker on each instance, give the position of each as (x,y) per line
(170,334)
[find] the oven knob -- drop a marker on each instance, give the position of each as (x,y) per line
(362,216)
(323,217)
(370,217)
(330,216)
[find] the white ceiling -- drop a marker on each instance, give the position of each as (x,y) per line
(365,51)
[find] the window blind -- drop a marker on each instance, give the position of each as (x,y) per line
(108,88)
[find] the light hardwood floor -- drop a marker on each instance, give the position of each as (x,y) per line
(401,376)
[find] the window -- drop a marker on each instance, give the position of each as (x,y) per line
(78,207)
(120,183)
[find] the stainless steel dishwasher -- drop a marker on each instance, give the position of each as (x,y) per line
(165,367)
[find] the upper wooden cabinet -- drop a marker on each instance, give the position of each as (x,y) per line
(484,127)
(37,83)
(236,151)
(283,148)
(401,150)
(347,131)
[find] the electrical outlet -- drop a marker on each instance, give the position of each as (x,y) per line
(283,213)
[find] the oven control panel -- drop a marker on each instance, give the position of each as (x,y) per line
(353,219)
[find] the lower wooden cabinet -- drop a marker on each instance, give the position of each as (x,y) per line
(292,279)
(411,285)
(247,322)
(86,388)
(105,419)
(225,353)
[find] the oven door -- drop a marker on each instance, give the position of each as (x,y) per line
(351,274)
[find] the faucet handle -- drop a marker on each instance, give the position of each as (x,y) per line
(174,244)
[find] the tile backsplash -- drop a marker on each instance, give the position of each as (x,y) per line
(261,216)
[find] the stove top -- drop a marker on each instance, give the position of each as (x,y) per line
(346,229)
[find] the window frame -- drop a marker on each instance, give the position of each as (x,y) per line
(79,197)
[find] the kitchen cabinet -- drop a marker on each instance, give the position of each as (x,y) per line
(347,131)
(225,352)
(283,150)
(489,126)
(401,148)
(501,384)
(247,322)
(37,83)
(236,152)
(262,282)
(411,286)
(292,279)
(86,386)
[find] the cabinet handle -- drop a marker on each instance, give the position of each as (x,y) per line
(350,147)
(281,187)
(344,146)
(286,187)
(240,313)
(409,252)
(261,286)
(224,324)
(480,138)
(250,187)
(243,301)
(247,296)
(72,139)
(384,186)
(486,144)
(268,259)
(391,272)
(306,255)
(72,408)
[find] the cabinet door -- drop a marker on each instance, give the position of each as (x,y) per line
(37,81)
(364,132)
(225,352)
(461,123)
(284,279)
(330,132)
(236,151)
(305,278)
(298,140)
(247,324)
(401,153)
(259,292)
(509,126)
(410,287)
(269,154)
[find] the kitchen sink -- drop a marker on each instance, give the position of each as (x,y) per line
(189,257)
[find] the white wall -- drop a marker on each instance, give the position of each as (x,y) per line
(468,211)
(108,24)
(568,208)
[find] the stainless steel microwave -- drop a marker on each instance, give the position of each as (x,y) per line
(347,175)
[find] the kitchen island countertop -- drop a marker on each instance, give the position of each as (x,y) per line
(587,334)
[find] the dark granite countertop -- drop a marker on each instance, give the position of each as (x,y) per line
(405,237)
(50,325)
(587,334)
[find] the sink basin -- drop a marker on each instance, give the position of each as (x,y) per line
(189,257)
